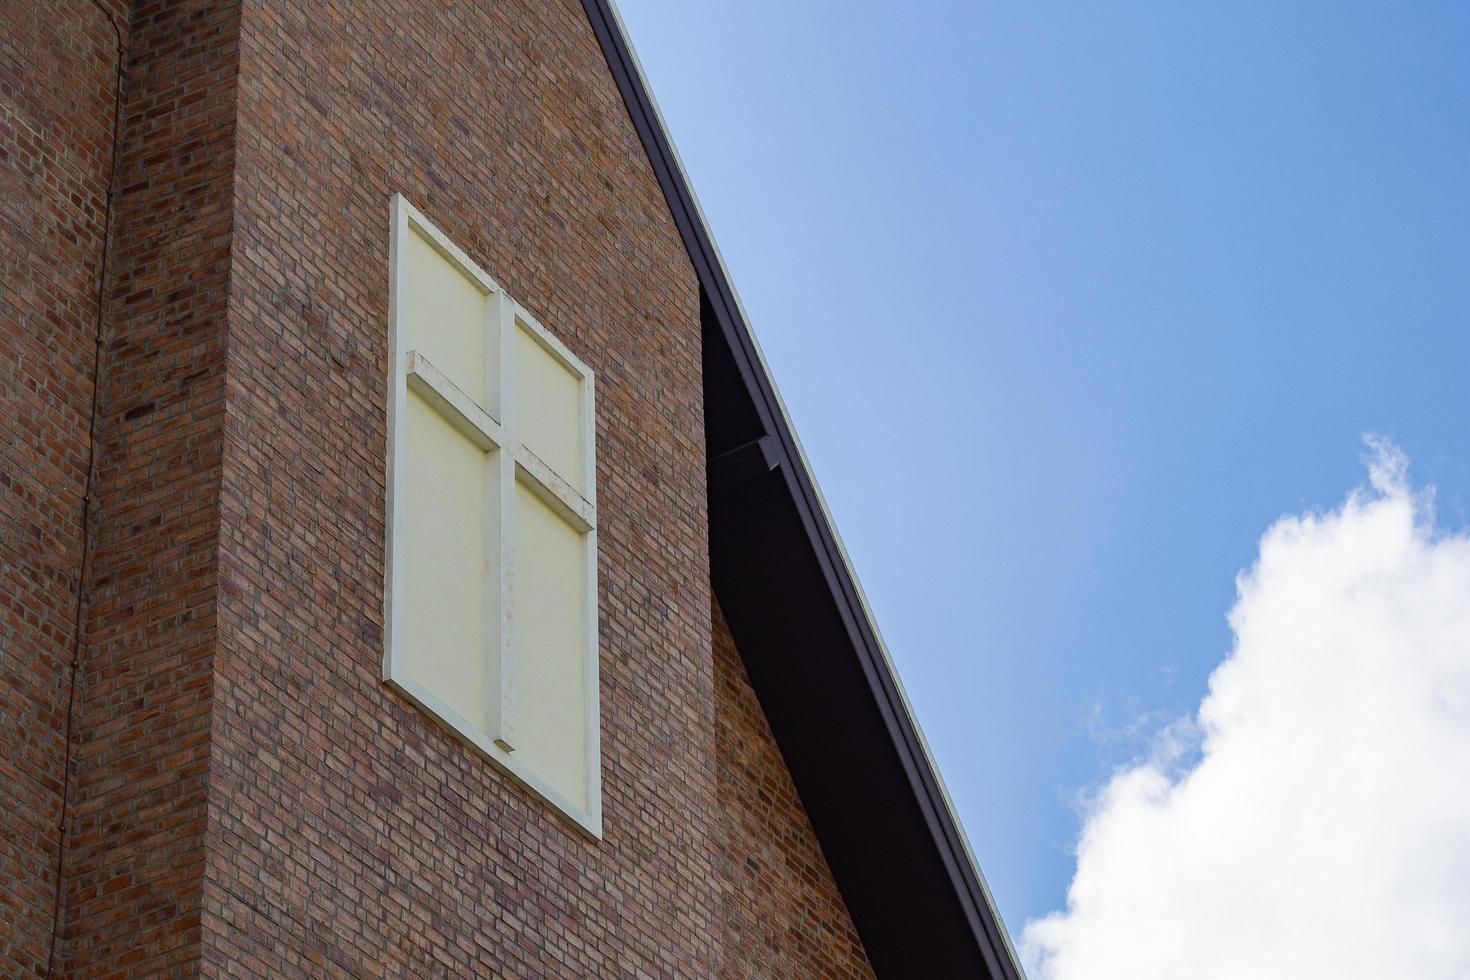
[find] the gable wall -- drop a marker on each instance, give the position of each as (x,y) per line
(348,833)
(246,796)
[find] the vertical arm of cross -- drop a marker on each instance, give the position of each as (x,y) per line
(502,674)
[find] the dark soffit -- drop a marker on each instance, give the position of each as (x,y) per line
(807,638)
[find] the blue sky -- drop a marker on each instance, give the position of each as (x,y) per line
(1069,302)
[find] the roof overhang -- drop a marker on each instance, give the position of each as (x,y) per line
(807,637)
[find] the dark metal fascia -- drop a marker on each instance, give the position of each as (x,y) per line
(979,911)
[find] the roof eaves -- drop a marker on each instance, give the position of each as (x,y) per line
(710,266)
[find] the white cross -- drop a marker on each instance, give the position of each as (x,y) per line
(516,462)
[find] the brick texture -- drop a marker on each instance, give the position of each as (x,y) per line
(248,798)
(349,833)
(55,157)
(135,851)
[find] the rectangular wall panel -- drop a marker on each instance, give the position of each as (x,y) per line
(549,408)
(446,549)
(551,653)
(446,319)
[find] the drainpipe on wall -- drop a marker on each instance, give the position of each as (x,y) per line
(83,565)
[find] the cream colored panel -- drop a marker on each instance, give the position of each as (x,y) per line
(548,408)
(446,317)
(551,648)
(444,561)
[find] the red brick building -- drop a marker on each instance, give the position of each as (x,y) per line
(243,730)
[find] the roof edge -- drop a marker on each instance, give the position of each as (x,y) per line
(709,265)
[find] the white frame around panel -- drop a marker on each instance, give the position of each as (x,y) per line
(492,431)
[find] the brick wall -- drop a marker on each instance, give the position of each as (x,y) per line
(348,832)
(248,797)
(135,838)
(57,70)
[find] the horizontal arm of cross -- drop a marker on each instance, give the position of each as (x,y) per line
(482,429)
(458,408)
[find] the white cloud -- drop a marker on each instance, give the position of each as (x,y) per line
(1314,821)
